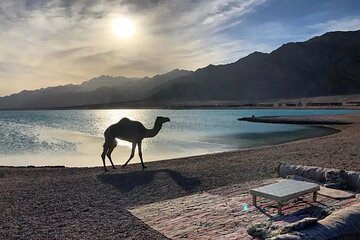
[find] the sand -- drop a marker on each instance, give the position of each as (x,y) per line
(84,203)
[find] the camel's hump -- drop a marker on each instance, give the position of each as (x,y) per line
(125,119)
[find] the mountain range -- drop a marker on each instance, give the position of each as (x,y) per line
(324,65)
(99,90)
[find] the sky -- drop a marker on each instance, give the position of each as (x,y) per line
(55,42)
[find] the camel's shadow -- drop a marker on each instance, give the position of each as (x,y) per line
(126,182)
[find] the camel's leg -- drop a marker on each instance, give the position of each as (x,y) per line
(131,155)
(140,155)
(108,154)
(105,149)
(108,147)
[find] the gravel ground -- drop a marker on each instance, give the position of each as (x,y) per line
(84,203)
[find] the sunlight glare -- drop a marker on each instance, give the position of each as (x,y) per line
(109,117)
(123,27)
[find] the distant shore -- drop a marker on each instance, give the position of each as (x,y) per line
(181,107)
(85,203)
(309,120)
(347,102)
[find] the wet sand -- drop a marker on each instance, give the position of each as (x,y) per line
(84,203)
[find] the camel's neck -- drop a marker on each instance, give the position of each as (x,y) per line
(154,131)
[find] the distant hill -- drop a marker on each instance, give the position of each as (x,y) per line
(324,65)
(103,89)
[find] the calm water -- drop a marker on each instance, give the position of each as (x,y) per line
(75,137)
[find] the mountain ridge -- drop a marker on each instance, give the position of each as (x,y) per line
(323,65)
(102,89)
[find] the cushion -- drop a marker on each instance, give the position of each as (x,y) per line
(300,178)
(335,193)
(336,179)
(314,173)
(318,174)
(344,222)
(353,181)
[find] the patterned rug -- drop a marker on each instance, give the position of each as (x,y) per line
(225,213)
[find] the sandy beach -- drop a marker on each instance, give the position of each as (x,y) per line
(85,203)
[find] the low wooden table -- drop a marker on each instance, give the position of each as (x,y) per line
(284,191)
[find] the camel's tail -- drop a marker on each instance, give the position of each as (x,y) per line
(110,143)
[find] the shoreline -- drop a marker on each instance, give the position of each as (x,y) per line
(330,131)
(336,129)
(191,107)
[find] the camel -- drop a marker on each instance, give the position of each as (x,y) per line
(131,131)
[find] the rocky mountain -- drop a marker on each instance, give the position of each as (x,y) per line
(103,89)
(324,65)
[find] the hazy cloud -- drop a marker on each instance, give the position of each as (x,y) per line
(52,42)
(343,24)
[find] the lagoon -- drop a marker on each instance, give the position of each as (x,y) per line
(74,138)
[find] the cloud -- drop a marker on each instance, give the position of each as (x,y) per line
(64,41)
(52,42)
(343,24)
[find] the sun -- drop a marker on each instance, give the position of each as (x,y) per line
(123,27)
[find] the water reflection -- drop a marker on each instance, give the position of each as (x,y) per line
(75,137)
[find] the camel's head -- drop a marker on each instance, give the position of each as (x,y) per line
(162,119)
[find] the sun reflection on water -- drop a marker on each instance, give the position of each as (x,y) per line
(109,117)
(76,137)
